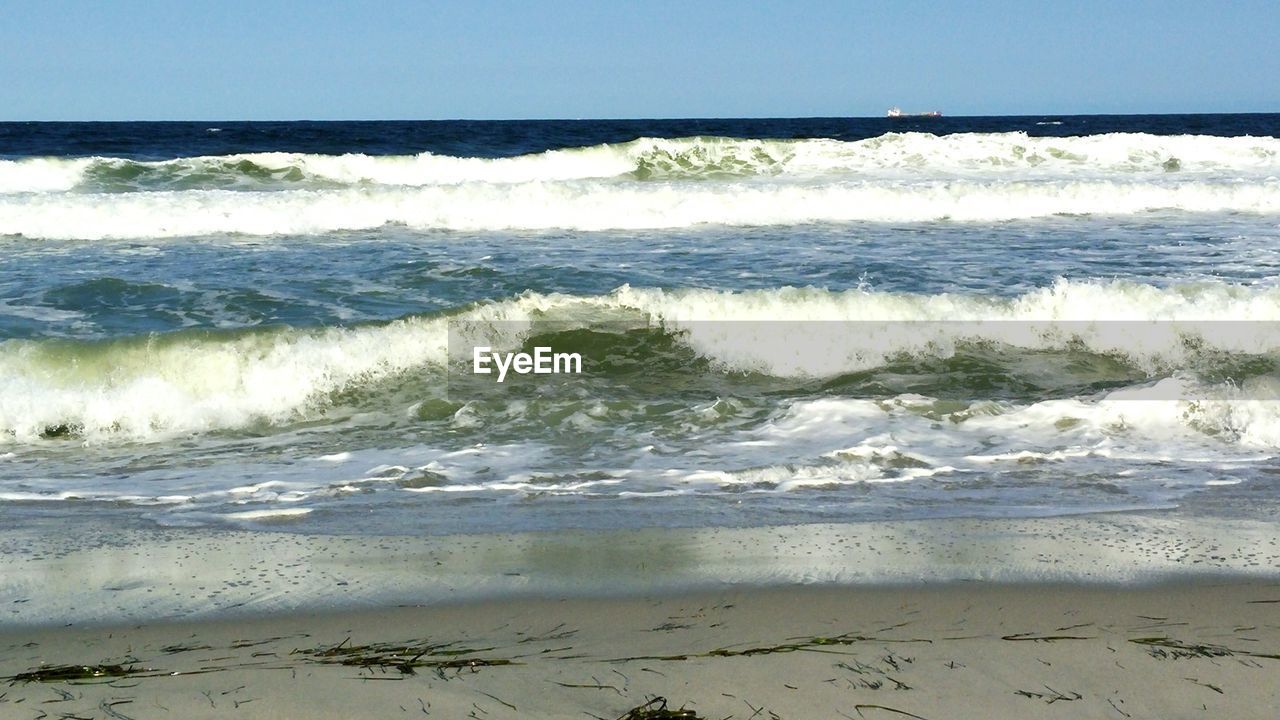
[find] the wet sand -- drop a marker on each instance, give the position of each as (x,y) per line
(102,574)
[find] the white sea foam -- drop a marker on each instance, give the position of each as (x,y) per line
(907,438)
(604,205)
(194,383)
(1120,443)
(960,153)
(646,183)
(43,174)
(271,514)
(1151,327)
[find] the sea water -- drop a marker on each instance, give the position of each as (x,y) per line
(268,325)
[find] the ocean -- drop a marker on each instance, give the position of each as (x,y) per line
(271,325)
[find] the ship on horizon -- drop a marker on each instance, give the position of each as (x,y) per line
(896,112)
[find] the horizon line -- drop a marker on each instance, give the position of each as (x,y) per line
(635,119)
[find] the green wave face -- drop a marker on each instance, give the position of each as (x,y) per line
(421,369)
(112,175)
(712,159)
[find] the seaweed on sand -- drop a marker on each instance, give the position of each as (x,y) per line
(656,709)
(80,673)
(819,644)
(405,657)
(1168,648)
(180,648)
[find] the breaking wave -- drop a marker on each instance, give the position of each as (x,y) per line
(661,158)
(197,382)
(645,183)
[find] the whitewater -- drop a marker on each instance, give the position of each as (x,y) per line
(648,183)
(269,327)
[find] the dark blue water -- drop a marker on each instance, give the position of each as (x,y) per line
(507,138)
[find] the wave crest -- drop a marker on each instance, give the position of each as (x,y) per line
(194,382)
(649,183)
(668,158)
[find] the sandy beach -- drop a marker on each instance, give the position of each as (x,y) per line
(957,650)
(1116,616)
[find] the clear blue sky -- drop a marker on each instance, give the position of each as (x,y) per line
(424,59)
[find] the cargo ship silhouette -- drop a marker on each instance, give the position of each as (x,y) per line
(896,112)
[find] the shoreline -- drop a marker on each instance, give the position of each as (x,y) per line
(103,576)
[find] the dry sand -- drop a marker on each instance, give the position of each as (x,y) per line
(956,650)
